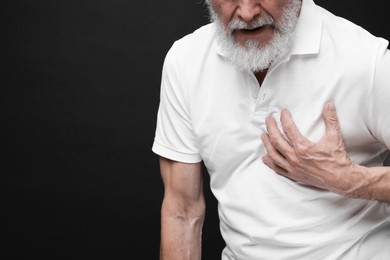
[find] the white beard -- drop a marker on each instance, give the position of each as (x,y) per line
(252,56)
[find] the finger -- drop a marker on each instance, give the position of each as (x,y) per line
(277,139)
(291,130)
(274,154)
(269,162)
(332,125)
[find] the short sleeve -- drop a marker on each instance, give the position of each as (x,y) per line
(380,97)
(174,136)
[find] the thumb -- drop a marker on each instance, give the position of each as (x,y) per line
(331,120)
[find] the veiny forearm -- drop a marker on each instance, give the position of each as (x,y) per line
(181,233)
(370,183)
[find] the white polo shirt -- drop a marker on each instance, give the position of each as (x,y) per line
(211,112)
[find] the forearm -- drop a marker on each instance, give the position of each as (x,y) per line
(182,211)
(370,183)
(180,235)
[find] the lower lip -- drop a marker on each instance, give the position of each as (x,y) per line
(261,34)
(251,32)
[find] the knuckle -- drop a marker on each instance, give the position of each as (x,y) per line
(273,155)
(296,162)
(282,164)
(287,126)
(302,150)
(274,140)
(333,116)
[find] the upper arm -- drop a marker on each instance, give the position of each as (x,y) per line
(183,186)
(175,137)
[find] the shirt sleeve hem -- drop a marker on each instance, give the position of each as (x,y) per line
(174,155)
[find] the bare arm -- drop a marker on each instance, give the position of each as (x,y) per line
(182,211)
(325,164)
(372,183)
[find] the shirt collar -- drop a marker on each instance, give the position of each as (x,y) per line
(308,32)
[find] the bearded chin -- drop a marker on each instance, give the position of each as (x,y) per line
(253,56)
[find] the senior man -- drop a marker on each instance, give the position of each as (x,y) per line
(253,96)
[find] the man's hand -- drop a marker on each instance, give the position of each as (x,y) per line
(324,164)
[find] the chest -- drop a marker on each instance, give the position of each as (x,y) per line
(229,118)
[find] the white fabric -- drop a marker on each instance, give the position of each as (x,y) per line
(212,112)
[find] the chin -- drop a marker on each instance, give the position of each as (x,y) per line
(250,42)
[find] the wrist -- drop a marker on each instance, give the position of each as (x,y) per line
(369,183)
(358,182)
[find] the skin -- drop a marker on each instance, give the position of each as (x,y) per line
(324,164)
(182,211)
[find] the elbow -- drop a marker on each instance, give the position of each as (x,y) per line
(190,213)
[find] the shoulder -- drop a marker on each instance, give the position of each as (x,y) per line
(199,36)
(352,48)
(350,35)
(188,55)
(193,46)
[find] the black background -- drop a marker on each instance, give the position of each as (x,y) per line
(81,90)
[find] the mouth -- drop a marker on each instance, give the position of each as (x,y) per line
(261,35)
(252,30)
(256,30)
